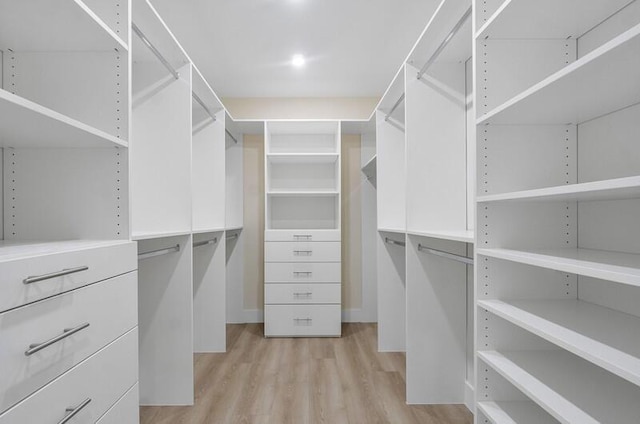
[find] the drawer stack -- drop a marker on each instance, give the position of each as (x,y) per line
(68,331)
(303,284)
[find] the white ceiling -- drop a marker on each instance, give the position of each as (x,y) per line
(244,47)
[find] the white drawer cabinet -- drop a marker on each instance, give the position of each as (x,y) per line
(307,272)
(36,271)
(327,251)
(92,387)
(302,320)
(99,313)
(125,411)
(302,293)
(302,235)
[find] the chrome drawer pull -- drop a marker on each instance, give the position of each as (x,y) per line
(306,321)
(302,252)
(37,347)
(302,273)
(72,412)
(301,237)
(36,278)
(307,294)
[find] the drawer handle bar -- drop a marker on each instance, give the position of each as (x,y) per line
(305,273)
(37,347)
(303,294)
(66,271)
(72,412)
(299,252)
(302,237)
(303,319)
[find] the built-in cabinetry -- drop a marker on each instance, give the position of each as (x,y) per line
(302,229)
(65,260)
(558,259)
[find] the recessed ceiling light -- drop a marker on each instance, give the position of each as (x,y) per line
(297,60)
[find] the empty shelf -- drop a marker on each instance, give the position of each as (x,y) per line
(602,81)
(570,389)
(207,230)
(149,236)
(462,236)
(613,266)
(392,230)
(24,123)
(619,188)
(302,157)
(307,193)
(603,336)
(554,19)
(515,412)
(68,25)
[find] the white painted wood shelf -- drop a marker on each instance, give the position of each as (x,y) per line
(614,189)
(618,267)
(68,25)
(515,412)
(307,193)
(587,88)
(207,230)
(297,158)
(160,234)
(370,168)
(462,236)
(24,123)
(553,19)
(392,230)
(568,388)
(600,335)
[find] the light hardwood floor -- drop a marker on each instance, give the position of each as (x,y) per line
(302,381)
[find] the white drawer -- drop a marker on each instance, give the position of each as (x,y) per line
(125,411)
(302,293)
(302,235)
(292,272)
(110,309)
(103,378)
(286,251)
(102,259)
(302,320)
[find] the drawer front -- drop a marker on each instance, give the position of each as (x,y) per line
(110,309)
(283,251)
(125,411)
(319,272)
(302,293)
(302,235)
(101,263)
(103,378)
(302,320)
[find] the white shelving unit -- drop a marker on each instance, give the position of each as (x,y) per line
(302,229)
(558,263)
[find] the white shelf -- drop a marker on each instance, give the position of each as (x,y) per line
(613,266)
(571,390)
(615,189)
(600,82)
(207,230)
(371,167)
(392,230)
(45,25)
(462,236)
(24,123)
(600,335)
(302,157)
(515,412)
(11,250)
(233,229)
(151,236)
(553,19)
(310,193)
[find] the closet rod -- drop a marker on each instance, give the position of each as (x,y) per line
(444,43)
(231,135)
(205,242)
(155,51)
(232,236)
(206,109)
(395,106)
(158,252)
(447,255)
(392,241)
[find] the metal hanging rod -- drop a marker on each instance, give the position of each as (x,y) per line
(444,43)
(446,255)
(155,51)
(204,106)
(395,106)
(232,236)
(159,252)
(205,242)
(395,242)
(235,140)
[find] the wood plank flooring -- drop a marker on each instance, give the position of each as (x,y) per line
(302,381)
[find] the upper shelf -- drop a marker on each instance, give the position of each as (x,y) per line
(68,25)
(302,157)
(602,81)
(462,236)
(553,19)
(615,189)
(24,123)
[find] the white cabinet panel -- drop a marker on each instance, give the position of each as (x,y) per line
(302,320)
(319,272)
(125,411)
(275,294)
(302,252)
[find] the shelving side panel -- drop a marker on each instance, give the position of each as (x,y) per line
(505,68)
(235,269)
(609,28)
(165,310)
(436,148)
(391,179)
(234,169)
(114,13)
(66,193)
(436,290)
(392,295)
(484,10)
(209,294)
(208,180)
(615,296)
(91,87)
(471,136)
(161,159)
(609,225)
